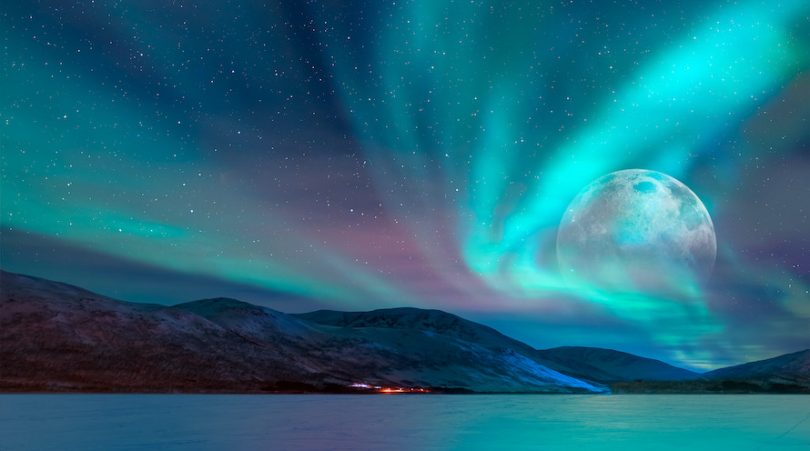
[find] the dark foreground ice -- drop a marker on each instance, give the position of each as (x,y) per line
(256,422)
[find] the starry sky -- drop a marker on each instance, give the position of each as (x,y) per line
(366,154)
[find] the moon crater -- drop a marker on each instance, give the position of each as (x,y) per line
(636,230)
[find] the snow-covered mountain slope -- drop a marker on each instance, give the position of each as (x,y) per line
(447,350)
(247,319)
(427,322)
(607,365)
(57,336)
(791,368)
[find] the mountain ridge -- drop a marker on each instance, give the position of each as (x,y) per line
(793,367)
(606,365)
(56,336)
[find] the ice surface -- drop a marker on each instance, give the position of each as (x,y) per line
(253,422)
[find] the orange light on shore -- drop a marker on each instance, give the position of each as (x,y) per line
(386,390)
(402,390)
(391,390)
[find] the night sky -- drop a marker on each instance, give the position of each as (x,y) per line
(360,155)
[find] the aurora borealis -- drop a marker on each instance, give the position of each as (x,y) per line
(360,155)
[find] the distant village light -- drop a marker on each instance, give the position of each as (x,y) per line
(381,389)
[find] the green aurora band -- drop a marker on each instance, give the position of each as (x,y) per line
(459,102)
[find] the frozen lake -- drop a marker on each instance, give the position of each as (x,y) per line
(251,422)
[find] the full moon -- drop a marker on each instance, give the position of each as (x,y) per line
(636,230)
